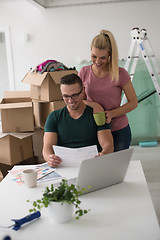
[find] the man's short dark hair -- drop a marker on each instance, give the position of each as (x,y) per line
(71,79)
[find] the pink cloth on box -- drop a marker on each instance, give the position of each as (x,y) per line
(40,66)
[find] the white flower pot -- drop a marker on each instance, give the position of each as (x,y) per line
(60,213)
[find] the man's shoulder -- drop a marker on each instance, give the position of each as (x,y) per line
(58,112)
(89,109)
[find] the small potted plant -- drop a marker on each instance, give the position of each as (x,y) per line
(61,202)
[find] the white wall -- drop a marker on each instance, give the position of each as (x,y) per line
(4,79)
(65,33)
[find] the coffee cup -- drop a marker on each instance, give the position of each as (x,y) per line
(30,178)
(99,118)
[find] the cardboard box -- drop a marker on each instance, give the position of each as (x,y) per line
(1,176)
(41,110)
(15,147)
(37,139)
(5,168)
(46,86)
(17,114)
(39,160)
(16,94)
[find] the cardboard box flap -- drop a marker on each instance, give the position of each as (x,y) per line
(2,135)
(16,135)
(15,105)
(34,78)
(57,75)
(21,135)
(16,94)
(37,78)
(15,100)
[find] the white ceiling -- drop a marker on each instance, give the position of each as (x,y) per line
(65,3)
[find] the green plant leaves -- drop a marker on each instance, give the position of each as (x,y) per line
(64,193)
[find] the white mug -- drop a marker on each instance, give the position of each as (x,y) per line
(30,178)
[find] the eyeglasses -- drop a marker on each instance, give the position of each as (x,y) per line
(73,96)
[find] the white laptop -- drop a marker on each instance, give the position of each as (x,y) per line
(103,171)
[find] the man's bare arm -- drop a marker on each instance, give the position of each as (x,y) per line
(49,139)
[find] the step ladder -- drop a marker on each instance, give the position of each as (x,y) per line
(141,44)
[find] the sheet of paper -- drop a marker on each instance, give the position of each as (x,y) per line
(44,173)
(73,156)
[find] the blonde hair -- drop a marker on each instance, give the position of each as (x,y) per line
(106,40)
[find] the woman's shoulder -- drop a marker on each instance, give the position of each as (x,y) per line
(124,76)
(85,72)
(85,69)
(122,71)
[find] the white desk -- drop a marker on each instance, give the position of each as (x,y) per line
(121,212)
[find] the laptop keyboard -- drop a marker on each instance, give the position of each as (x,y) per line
(70,181)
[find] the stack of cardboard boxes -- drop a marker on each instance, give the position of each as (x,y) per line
(17,128)
(1,176)
(23,116)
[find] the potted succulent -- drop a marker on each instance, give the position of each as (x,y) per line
(61,202)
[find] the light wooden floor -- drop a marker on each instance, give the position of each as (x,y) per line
(150,159)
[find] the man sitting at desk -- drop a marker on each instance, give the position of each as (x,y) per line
(74,126)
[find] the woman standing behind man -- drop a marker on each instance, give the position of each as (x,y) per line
(104,81)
